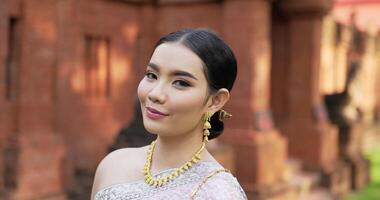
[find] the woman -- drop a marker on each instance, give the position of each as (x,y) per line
(188,80)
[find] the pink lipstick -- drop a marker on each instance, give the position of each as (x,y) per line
(154,114)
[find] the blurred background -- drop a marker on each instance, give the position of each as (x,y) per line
(306,104)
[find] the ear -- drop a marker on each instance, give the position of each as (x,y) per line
(218,100)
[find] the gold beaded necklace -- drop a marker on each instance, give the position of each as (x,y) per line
(150,180)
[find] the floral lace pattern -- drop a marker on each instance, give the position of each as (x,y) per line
(222,186)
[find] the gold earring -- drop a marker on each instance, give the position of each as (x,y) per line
(206,126)
(224,115)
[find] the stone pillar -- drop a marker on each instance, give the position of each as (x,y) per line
(41,149)
(351,129)
(377,55)
(342,112)
(3,113)
(312,138)
(260,151)
(3,45)
(8,98)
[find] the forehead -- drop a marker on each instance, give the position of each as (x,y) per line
(175,56)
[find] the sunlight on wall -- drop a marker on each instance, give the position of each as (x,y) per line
(261,75)
(130,32)
(77,81)
(121,68)
(333,57)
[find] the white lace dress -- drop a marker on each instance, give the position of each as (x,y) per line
(221,186)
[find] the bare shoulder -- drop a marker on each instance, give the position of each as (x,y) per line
(121,158)
(120,166)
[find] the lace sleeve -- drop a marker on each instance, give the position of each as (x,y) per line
(221,186)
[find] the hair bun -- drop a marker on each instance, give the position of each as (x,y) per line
(217,126)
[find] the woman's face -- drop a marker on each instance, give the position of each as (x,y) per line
(173,92)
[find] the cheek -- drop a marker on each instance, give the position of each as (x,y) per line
(188,109)
(142,90)
(191,102)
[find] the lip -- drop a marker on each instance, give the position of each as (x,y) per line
(154,114)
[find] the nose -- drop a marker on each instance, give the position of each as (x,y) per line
(157,94)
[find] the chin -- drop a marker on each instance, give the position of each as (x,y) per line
(155,128)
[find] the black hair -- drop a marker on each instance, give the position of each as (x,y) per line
(219,63)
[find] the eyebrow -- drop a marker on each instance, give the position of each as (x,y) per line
(175,73)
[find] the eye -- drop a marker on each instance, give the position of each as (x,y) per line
(181,83)
(150,75)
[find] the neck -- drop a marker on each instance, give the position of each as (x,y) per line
(173,151)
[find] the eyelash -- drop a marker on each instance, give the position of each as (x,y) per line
(182,83)
(149,74)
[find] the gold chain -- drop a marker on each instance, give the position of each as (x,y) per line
(150,180)
(195,191)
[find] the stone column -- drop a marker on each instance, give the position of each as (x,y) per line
(312,138)
(3,108)
(41,149)
(3,44)
(260,151)
(352,128)
(9,53)
(377,55)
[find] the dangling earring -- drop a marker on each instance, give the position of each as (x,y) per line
(206,126)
